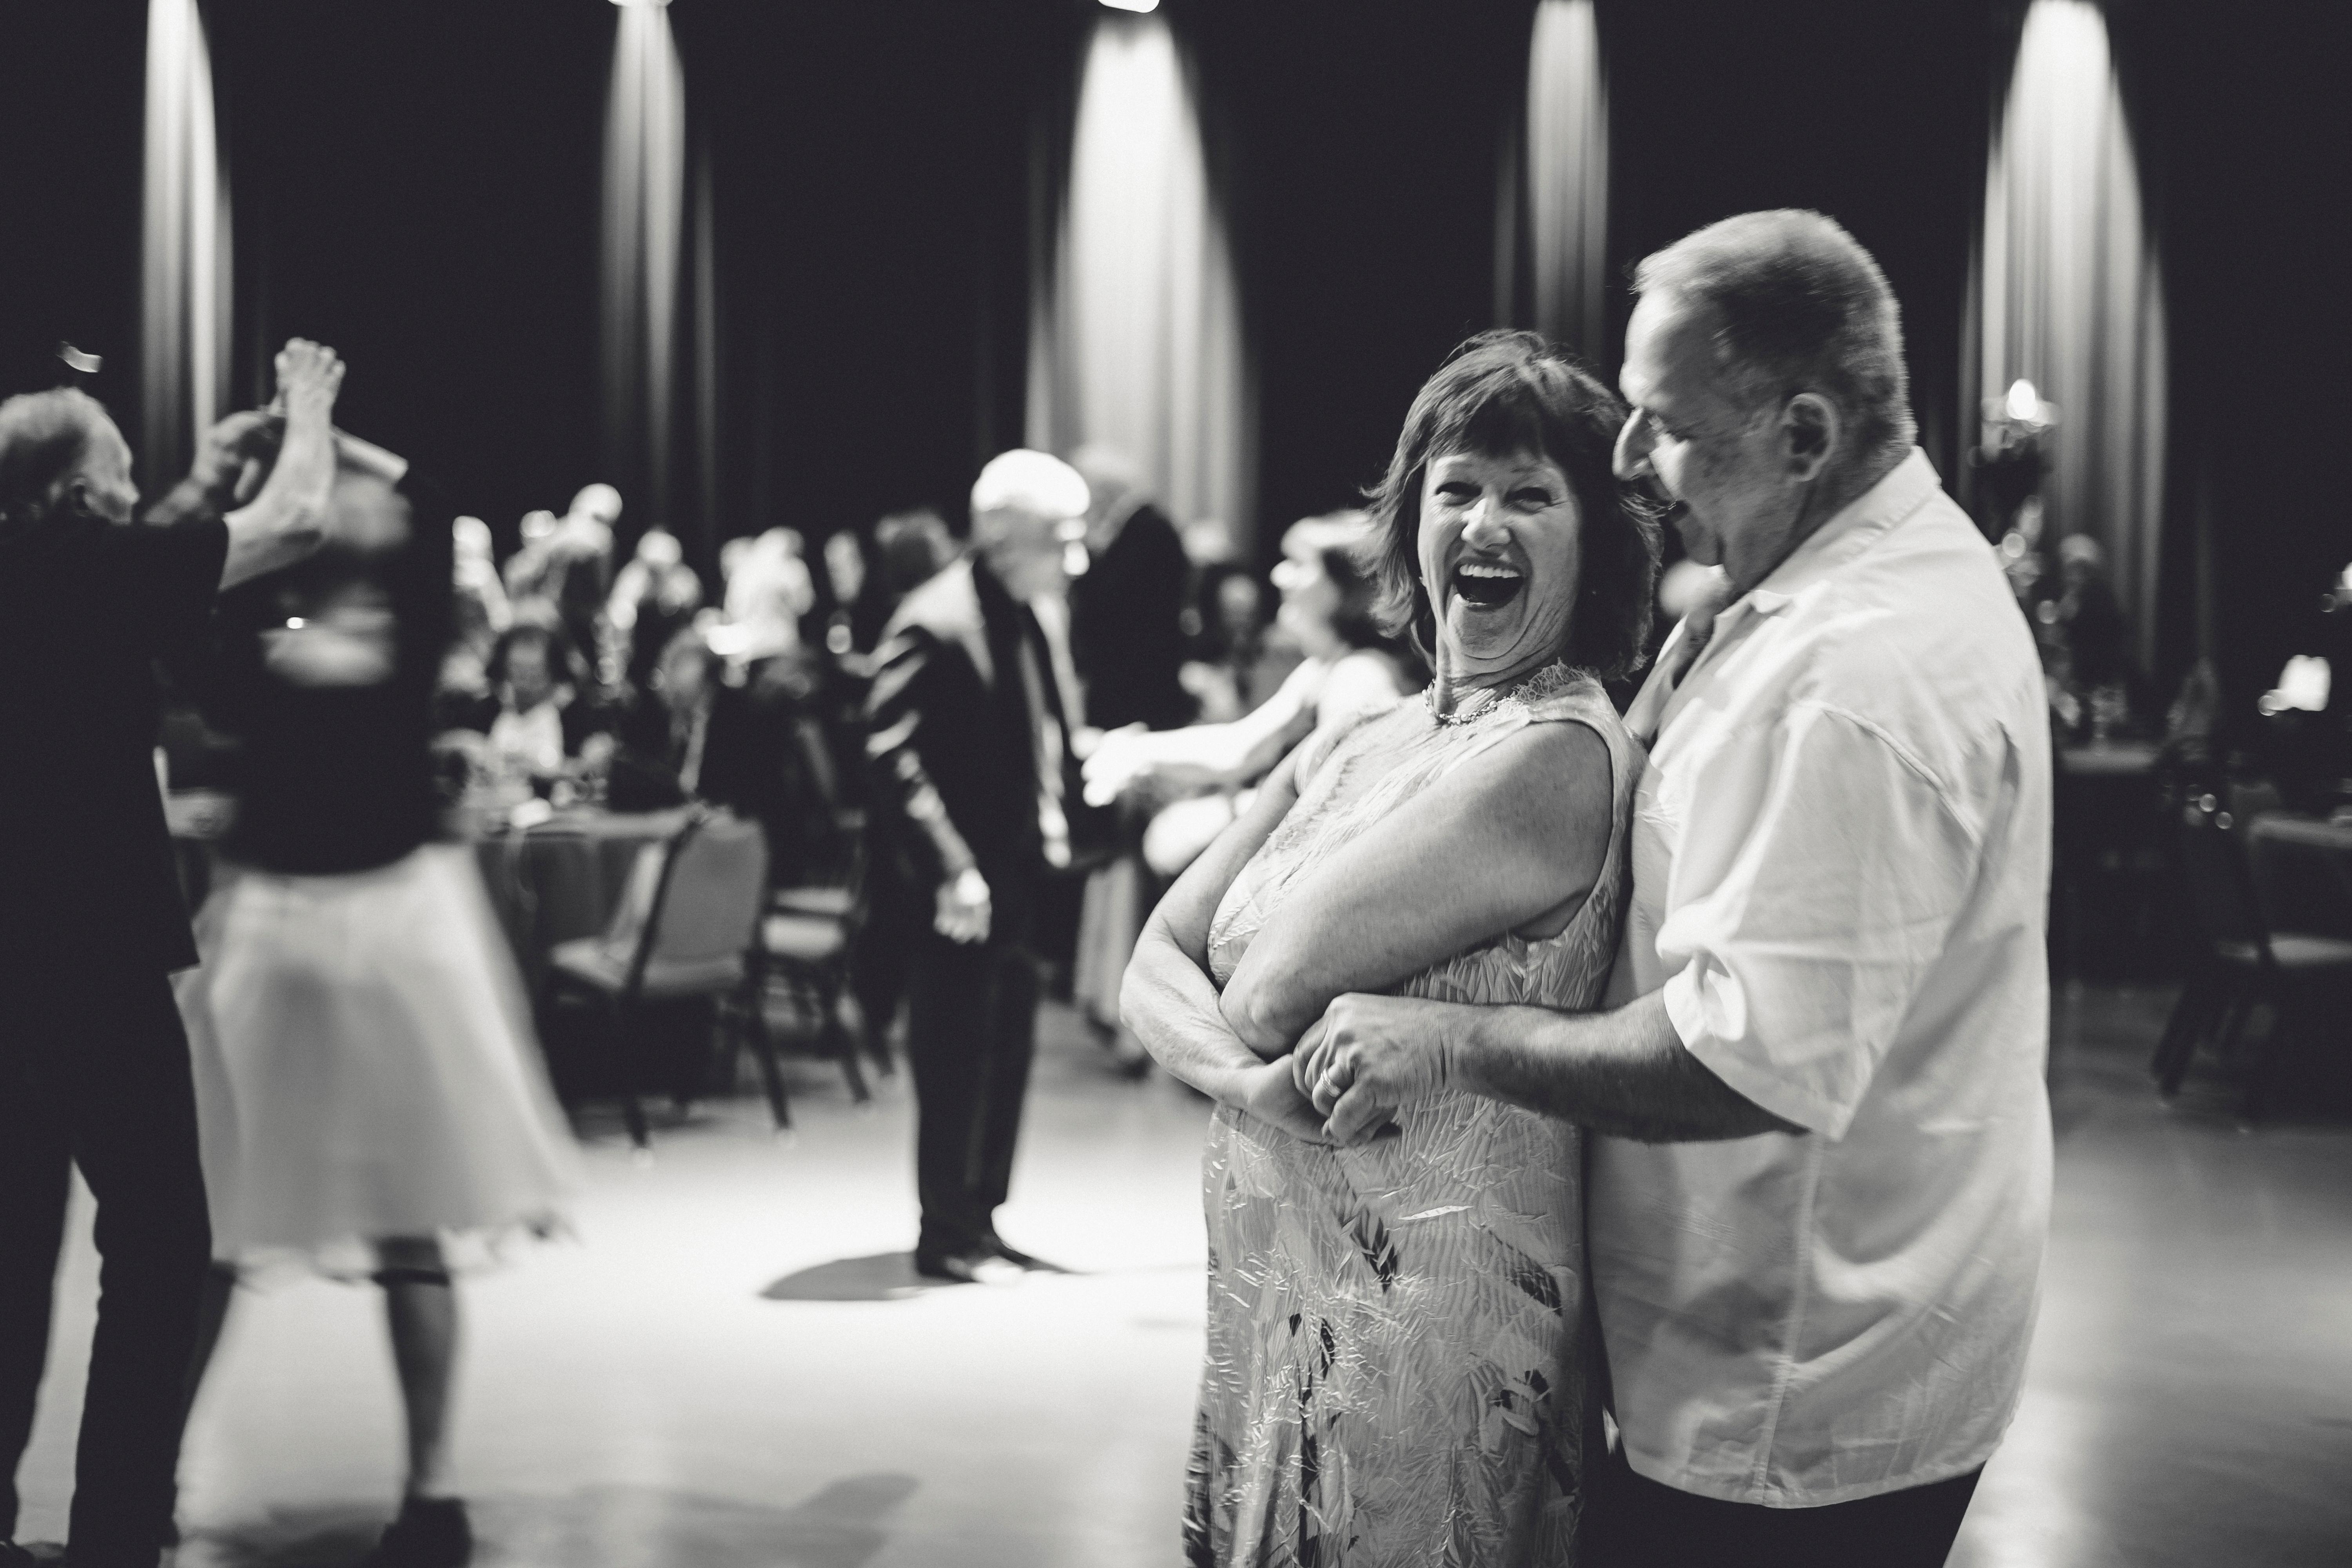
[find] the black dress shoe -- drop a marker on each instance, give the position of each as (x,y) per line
(955,1268)
(431,1532)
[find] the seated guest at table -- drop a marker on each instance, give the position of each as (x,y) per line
(93,1062)
(693,736)
(543,720)
(368,1088)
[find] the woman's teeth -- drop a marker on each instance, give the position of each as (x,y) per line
(1487,583)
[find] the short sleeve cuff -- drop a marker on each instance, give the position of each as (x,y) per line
(1735,1061)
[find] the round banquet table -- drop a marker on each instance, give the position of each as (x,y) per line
(562,878)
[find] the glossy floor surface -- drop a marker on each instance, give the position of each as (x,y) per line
(732,1367)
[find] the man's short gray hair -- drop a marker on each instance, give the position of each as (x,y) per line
(1799,307)
(1038,483)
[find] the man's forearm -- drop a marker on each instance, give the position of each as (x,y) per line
(1624,1073)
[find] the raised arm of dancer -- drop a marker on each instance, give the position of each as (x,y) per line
(287,519)
(1169,1002)
(1510,841)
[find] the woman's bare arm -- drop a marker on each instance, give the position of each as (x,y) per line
(288,519)
(1168,1000)
(1513,836)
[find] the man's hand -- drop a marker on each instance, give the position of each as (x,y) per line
(962,907)
(1269,1094)
(1369,1057)
(222,455)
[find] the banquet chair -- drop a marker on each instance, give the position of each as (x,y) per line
(2242,962)
(687,926)
(808,937)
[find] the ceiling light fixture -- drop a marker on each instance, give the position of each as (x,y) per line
(1139,6)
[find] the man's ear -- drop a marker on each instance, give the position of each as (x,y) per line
(1810,431)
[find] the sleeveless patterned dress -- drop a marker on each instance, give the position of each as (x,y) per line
(1397,1348)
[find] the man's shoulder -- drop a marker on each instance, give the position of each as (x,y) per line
(1920,640)
(944,607)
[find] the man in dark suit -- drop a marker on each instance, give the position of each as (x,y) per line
(966,740)
(1127,611)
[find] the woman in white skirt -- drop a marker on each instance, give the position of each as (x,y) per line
(369,1090)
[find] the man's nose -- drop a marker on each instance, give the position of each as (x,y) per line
(1631,459)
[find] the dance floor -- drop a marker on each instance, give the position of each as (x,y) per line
(732,1366)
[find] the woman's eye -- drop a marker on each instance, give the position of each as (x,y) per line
(1531,500)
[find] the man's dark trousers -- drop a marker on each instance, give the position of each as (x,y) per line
(94,1072)
(972,1017)
(1632,1521)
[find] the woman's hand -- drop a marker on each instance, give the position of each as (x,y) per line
(308,377)
(1268,1093)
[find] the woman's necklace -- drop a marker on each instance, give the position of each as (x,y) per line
(1446,710)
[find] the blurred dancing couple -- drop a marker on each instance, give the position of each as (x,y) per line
(350,1081)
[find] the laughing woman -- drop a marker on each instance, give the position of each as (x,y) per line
(1397,1345)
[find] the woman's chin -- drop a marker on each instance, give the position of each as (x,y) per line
(1493,647)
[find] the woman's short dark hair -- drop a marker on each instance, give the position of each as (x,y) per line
(1501,394)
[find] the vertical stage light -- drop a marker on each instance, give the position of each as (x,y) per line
(184,280)
(1136,331)
(643,216)
(1567,178)
(2069,296)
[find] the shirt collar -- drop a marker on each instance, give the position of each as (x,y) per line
(1857,525)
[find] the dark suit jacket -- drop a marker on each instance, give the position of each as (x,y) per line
(1127,634)
(950,746)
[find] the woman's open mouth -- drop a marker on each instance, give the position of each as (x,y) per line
(1487,584)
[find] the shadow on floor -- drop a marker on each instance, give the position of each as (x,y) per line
(841,1526)
(881,1277)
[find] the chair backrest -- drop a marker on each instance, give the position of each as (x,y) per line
(2220,886)
(696,898)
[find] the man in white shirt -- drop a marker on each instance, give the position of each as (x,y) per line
(1821,1181)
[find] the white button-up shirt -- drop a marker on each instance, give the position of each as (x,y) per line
(1842,858)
